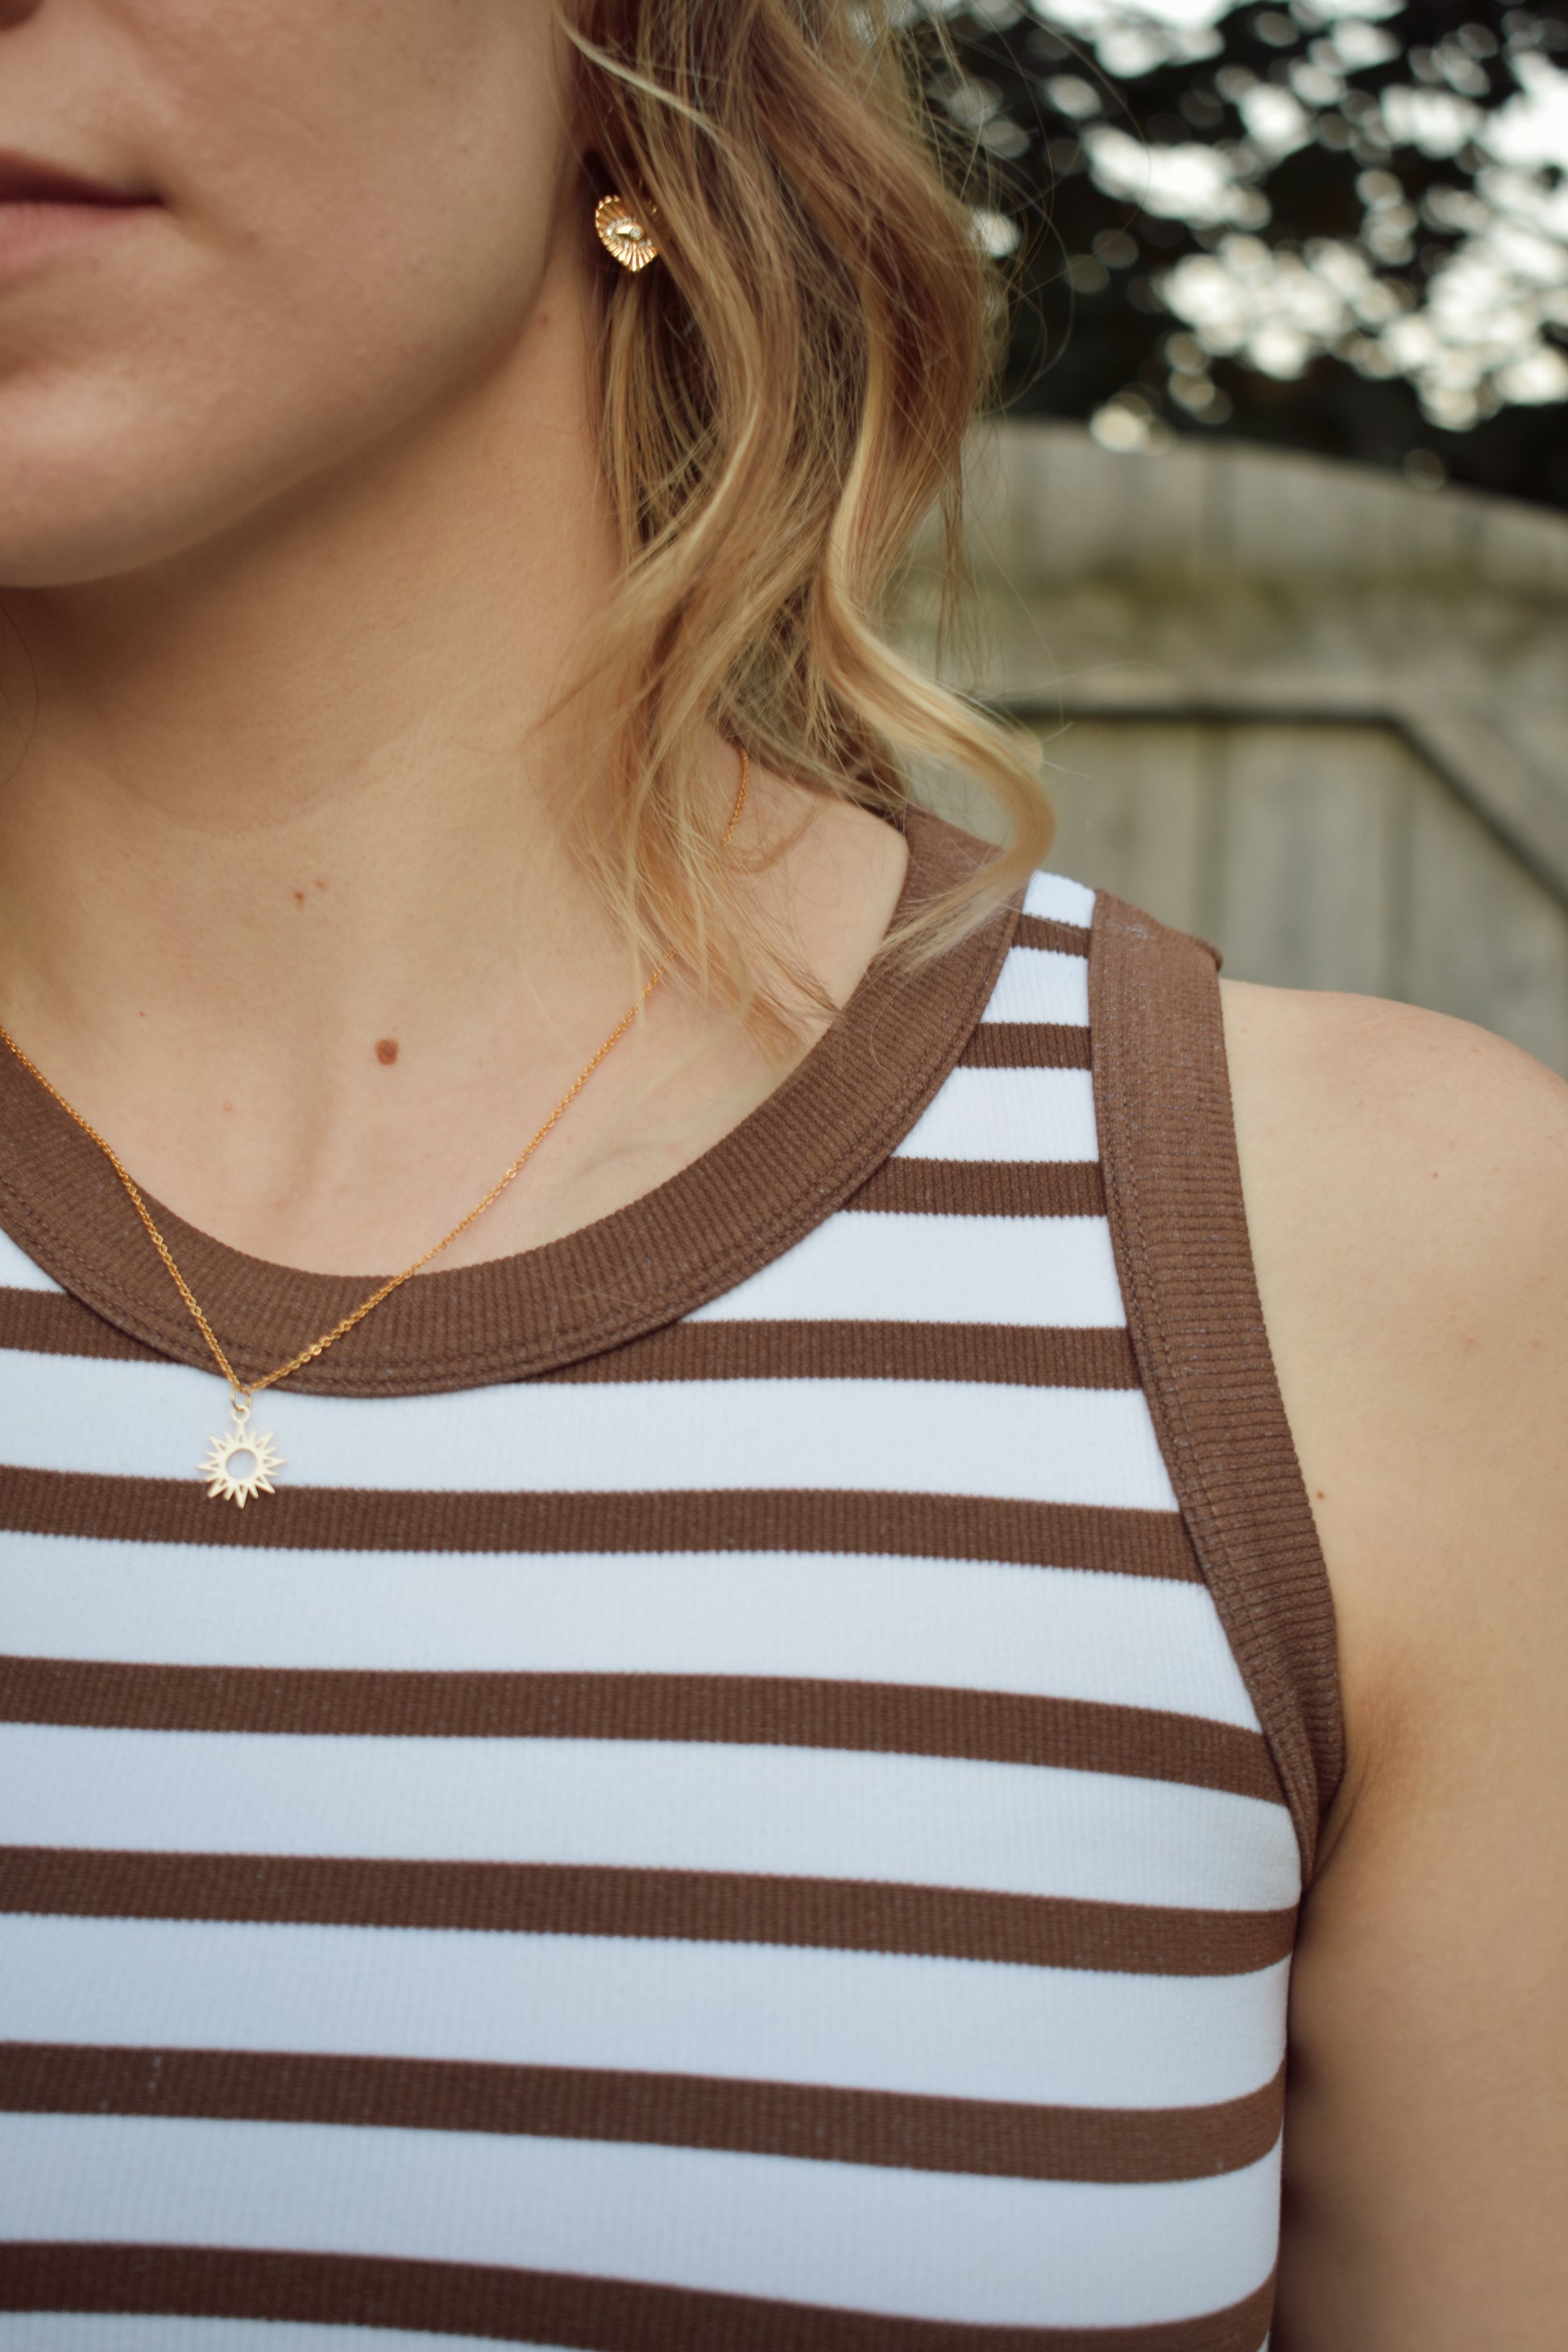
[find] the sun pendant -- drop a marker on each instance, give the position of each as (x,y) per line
(240,1464)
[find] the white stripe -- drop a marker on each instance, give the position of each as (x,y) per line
(1006,1115)
(17,1271)
(932,2245)
(898,1267)
(867,2020)
(1055,900)
(1068,1445)
(1025,1829)
(130,2331)
(958,1624)
(1038,984)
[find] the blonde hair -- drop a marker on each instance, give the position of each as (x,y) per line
(784,400)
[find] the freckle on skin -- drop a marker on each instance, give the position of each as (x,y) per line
(299,897)
(386,1050)
(321,886)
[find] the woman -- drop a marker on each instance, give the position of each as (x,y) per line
(741,1773)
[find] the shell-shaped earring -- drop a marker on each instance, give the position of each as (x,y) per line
(624,233)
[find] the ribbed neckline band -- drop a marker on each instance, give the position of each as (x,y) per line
(754,1195)
(1178,1226)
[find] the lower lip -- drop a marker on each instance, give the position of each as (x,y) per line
(32,232)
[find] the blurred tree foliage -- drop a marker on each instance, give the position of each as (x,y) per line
(1339,224)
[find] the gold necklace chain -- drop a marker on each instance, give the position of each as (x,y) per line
(241,1441)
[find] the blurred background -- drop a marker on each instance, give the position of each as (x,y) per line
(1271,537)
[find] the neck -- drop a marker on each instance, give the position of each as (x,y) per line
(284,910)
(307,772)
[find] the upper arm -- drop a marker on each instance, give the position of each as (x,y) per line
(1407,1189)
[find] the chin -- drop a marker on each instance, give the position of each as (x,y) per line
(89,492)
(102,488)
(122,472)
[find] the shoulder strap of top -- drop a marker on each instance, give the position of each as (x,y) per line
(1179,1229)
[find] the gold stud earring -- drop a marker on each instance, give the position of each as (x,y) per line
(624,233)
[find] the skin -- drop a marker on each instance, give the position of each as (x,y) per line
(1406,1182)
(301,534)
(301,530)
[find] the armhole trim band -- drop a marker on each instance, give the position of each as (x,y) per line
(1178,1226)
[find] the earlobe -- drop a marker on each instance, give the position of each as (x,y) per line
(627,234)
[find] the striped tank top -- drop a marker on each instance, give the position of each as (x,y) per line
(749,1791)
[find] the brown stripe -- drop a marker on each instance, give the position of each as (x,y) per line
(1025,1045)
(736,1710)
(1178,1225)
(682,1906)
(52,1323)
(904,2132)
(564,2308)
(1001,1354)
(1005,1355)
(985,1188)
(1045,931)
(1009,1355)
(328,1519)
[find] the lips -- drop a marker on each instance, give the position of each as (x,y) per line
(50,215)
(26,182)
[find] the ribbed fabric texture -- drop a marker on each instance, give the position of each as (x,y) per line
(715,1807)
(1173,1196)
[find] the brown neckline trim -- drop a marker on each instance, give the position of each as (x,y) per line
(789,1164)
(1178,1225)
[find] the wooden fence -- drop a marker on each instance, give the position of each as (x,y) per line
(1317,715)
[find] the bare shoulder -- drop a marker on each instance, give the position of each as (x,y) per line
(1406,1182)
(1407,1185)
(1402,1107)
